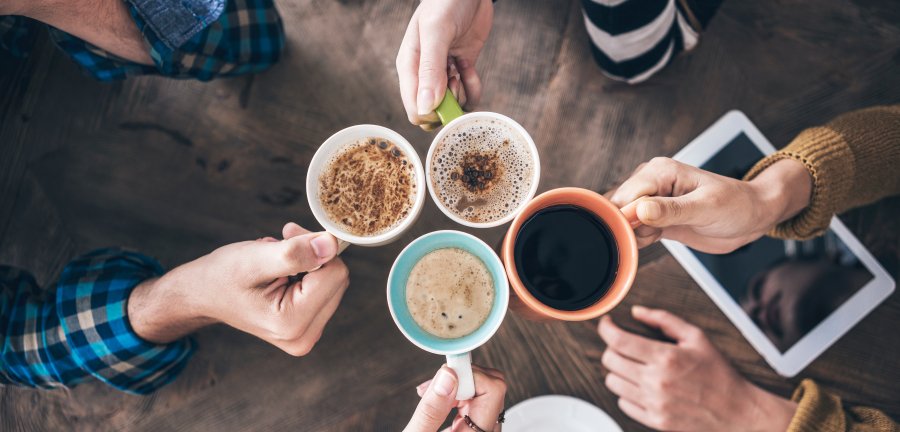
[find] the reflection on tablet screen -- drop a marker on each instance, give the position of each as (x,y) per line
(786,287)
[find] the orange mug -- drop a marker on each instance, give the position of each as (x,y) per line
(620,222)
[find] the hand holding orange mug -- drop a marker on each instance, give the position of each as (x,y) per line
(569,255)
(709,212)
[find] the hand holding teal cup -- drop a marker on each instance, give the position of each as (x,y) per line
(457,350)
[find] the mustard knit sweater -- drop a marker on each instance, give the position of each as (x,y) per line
(853,160)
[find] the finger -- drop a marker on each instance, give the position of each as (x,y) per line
(456,87)
(471,81)
(647,235)
(434,46)
(265,261)
(704,243)
(656,178)
(663,212)
(635,411)
(643,242)
(429,127)
(420,389)
(321,317)
(622,387)
(496,373)
(621,365)
(485,407)
(642,182)
(629,344)
(317,288)
(671,325)
(291,229)
(408,72)
(436,404)
(408,68)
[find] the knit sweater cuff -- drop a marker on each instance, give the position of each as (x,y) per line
(816,410)
(830,163)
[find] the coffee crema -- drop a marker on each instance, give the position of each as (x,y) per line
(450,293)
(368,187)
(482,170)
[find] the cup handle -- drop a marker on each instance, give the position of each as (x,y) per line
(630,212)
(342,246)
(462,365)
(449,109)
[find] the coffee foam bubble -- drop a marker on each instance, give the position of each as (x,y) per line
(450,293)
(504,154)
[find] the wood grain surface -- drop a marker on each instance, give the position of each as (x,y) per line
(177,168)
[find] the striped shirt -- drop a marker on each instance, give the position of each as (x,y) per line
(633,39)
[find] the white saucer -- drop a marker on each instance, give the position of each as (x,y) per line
(554,413)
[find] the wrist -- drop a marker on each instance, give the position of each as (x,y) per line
(159,311)
(770,412)
(782,191)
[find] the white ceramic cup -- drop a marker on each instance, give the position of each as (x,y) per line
(338,142)
(460,122)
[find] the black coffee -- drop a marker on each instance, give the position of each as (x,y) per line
(566,257)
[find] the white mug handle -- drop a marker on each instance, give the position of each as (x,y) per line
(342,246)
(462,365)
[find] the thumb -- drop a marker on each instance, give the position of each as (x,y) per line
(663,212)
(670,324)
(437,402)
(294,255)
(435,47)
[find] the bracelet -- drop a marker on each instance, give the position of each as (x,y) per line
(500,419)
(472,424)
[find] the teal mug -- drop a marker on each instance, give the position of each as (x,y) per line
(457,350)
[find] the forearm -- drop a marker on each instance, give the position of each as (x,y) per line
(103,23)
(852,160)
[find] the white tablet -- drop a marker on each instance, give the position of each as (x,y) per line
(790,299)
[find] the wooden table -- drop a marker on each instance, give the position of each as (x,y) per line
(176,168)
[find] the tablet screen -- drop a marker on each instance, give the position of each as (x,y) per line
(786,287)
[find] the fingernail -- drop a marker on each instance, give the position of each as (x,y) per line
(425,101)
(443,383)
(649,210)
(638,309)
(323,246)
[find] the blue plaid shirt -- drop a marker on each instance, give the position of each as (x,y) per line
(239,37)
(82,329)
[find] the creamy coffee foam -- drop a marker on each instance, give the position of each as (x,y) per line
(450,293)
(482,170)
(368,187)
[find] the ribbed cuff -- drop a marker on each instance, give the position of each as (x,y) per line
(817,411)
(831,164)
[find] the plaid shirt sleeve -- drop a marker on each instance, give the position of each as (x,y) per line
(246,37)
(82,329)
